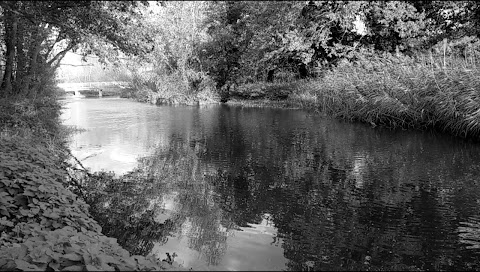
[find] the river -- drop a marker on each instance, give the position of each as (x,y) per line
(276,189)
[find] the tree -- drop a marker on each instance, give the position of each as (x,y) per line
(175,27)
(252,40)
(222,52)
(394,26)
(37,36)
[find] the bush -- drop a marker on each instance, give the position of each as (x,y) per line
(194,88)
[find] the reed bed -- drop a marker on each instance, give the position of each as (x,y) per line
(401,92)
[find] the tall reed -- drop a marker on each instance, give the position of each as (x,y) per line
(421,92)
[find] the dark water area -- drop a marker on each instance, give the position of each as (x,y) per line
(232,188)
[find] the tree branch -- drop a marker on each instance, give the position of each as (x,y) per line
(61,54)
(6,6)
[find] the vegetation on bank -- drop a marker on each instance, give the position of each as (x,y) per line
(43,224)
(389,91)
(399,64)
(403,92)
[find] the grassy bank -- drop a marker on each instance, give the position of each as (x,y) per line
(277,95)
(43,224)
(396,92)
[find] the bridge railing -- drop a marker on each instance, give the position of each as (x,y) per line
(92,85)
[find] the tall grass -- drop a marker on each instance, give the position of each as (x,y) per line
(421,92)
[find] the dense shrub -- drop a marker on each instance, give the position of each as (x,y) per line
(32,191)
(30,117)
(191,88)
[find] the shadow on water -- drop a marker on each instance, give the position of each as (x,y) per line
(339,196)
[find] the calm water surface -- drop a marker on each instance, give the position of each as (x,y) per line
(231,188)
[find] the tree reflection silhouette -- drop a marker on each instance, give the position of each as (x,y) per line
(125,213)
(195,213)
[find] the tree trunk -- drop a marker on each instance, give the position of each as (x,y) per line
(21,60)
(33,51)
(270,75)
(42,80)
(302,71)
(10,38)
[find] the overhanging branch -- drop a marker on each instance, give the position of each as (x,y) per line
(60,55)
(68,64)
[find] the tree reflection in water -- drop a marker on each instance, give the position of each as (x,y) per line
(133,201)
(195,214)
(126,213)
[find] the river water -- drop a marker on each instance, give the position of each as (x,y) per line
(232,188)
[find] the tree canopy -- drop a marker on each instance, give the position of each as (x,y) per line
(37,35)
(249,40)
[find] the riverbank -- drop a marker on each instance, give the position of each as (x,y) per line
(43,224)
(422,92)
(387,91)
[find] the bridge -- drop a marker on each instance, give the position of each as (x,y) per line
(77,88)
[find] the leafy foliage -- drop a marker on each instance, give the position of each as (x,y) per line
(30,118)
(28,197)
(251,41)
(171,72)
(243,42)
(68,249)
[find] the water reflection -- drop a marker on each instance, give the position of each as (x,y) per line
(128,212)
(231,188)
